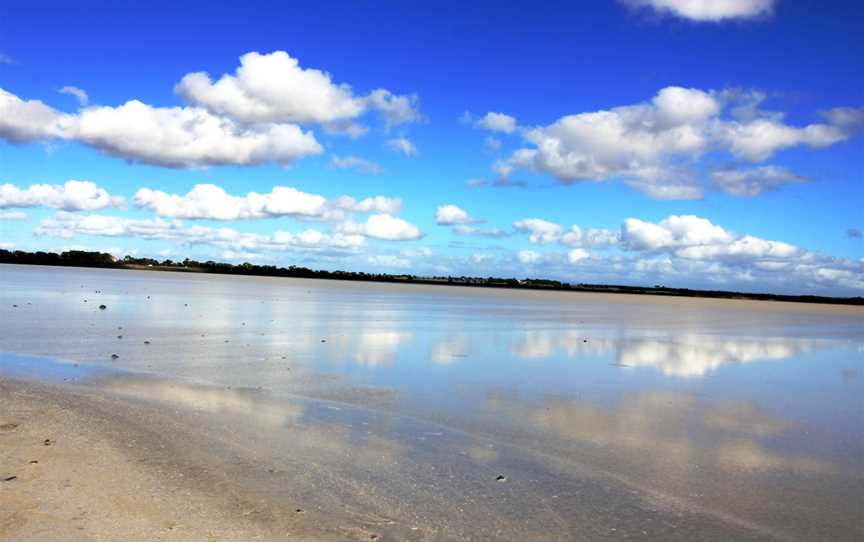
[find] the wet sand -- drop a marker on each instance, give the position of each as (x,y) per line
(79,467)
(111,467)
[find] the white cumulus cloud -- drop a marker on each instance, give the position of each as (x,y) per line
(26,121)
(673,232)
(708,10)
(577,255)
(275,88)
(695,238)
(209,201)
(249,118)
(383,226)
(654,146)
(374,204)
(164,136)
(272,88)
(690,249)
(543,232)
(589,237)
(449,215)
(68,225)
(497,122)
(71,196)
(539,231)
(213,202)
(187,136)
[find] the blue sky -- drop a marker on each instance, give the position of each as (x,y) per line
(638,141)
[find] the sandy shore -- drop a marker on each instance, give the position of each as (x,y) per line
(83,464)
(80,467)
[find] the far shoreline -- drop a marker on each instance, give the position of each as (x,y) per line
(84,259)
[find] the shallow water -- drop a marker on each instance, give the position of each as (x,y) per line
(663,418)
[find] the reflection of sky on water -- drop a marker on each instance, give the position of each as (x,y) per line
(378,348)
(377,463)
(659,426)
(303,336)
(684,354)
(47,369)
(295,418)
(669,430)
(694,355)
(683,391)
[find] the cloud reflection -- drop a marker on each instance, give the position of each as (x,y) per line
(378,348)
(695,355)
(225,402)
(666,430)
(449,351)
(337,441)
(543,344)
(679,355)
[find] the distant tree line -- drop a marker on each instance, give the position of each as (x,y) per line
(81,258)
(76,258)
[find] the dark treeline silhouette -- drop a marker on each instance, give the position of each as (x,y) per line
(77,258)
(80,258)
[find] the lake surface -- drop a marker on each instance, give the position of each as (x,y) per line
(605,416)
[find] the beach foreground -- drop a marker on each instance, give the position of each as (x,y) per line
(79,465)
(85,468)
